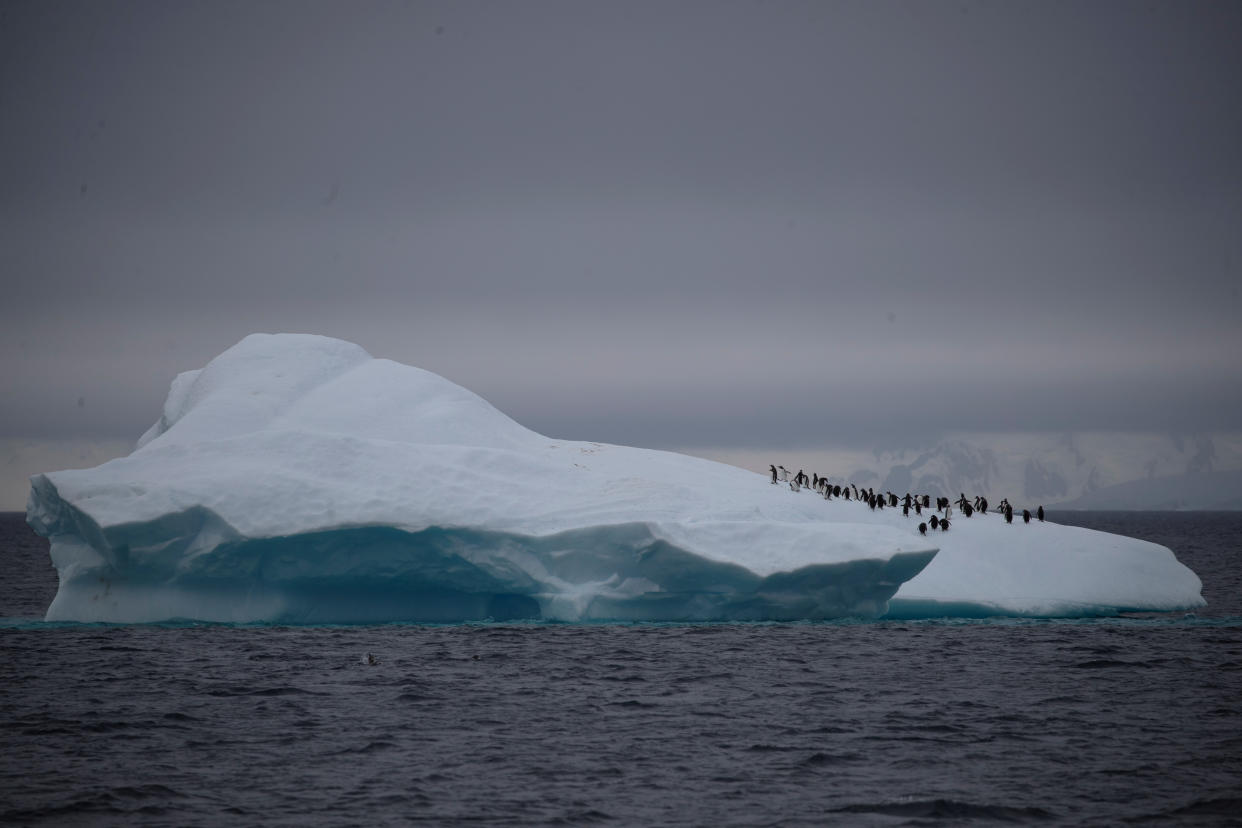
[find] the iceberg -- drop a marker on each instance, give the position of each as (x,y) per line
(297,479)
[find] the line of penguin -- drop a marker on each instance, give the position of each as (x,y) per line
(916,502)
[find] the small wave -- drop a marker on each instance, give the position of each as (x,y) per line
(1224,806)
(580,817)
(820,759)
(370,747)
(949,809)
(267,691)
(1104,663)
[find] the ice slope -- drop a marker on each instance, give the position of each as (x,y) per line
(295,478)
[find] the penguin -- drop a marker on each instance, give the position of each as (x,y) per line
(926,501)
(944,525)
(967,509)
(815,480)
(1008,514)
(918,508)
(836,490)
(1026,515)
(908,500)
(983,503)
(847,493)
(1040,514)
(922,528)
(892,499)
(773,470)
(935,522)
(905,510)
(784,474)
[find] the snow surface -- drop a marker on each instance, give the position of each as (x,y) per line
(295,478)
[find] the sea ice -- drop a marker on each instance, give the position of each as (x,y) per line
(297,479)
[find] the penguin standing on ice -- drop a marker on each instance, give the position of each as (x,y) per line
(1008,514)
(773,470)
(1026,515)
(1040,514)
(784,474)
(935,522)
(922,528)
(905,510)
(944,525)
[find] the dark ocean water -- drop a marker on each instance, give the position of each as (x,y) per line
(1134,720)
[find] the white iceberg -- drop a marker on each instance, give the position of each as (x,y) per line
(297,479)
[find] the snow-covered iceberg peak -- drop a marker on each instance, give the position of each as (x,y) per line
(296,478)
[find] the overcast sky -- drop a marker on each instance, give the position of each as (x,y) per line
(671,224)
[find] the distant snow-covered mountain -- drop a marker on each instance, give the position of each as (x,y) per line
(1090,470)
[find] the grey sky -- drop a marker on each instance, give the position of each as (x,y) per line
(669,224)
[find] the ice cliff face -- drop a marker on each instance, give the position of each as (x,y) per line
(295,478)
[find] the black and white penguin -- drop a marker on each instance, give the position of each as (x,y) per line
(773,470)
(1040,514)
(944,524)
(935,522)
(922,528)
(1026,515)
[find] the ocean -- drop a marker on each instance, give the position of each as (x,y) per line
(1112,721)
